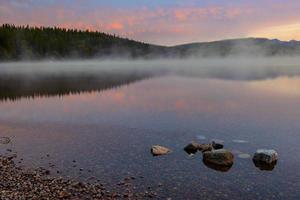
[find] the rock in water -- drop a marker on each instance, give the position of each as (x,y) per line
(265,156)
(5,140)
(217,144)
(220,157)
(205,147)
(157,150)
(264,165)
(220,168)
(191,148)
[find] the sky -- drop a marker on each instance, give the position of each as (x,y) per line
(164,22)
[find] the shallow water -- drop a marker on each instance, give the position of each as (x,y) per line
(110,132)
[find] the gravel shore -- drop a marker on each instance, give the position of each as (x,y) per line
(38,184)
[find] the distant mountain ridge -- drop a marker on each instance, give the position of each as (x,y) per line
(31,43)
(244,46)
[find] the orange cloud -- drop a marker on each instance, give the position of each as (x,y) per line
(180,15)
(282,32)
(115,26)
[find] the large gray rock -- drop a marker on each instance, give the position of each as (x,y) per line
(265,156)
(158,150)
(220,157)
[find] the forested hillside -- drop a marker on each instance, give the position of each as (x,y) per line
(34,43)
(24,42)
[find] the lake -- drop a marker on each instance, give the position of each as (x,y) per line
(108,123)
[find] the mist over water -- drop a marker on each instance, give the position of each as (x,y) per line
(236,68)
(31,79)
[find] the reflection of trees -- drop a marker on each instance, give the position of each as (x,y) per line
(13,87)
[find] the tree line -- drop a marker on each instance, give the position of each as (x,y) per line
(25,42)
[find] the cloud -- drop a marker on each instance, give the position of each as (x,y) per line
(161,24)
(283,32)
(115,26)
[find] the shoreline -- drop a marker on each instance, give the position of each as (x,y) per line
(38,183)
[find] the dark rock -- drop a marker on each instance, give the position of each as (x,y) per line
(191,148)
(217,144)
(5,140)
(264,166)
(205,147)
(221,168)
(265,156)
(221,157)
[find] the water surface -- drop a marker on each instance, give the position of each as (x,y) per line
(109,130)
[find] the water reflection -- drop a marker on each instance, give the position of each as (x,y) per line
(110,132)
(15,86)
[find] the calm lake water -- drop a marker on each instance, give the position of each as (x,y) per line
(109,133)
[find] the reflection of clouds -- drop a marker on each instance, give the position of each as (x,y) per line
(181,104)
(181,96)
(118,96)
(283,86)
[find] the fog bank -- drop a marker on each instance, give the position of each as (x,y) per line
(240,68)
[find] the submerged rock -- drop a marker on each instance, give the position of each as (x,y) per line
(158,150)
(5,140)
(220,157)
(191,148)
(265,156)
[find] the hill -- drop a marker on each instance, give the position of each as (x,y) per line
(24,42)
(31,43)
(239,47)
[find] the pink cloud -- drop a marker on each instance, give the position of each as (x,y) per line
(180,16)
(163,25)
(115,26)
